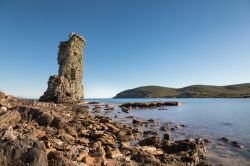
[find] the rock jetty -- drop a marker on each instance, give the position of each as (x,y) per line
(66,87)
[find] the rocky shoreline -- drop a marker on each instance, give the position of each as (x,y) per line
(40,133)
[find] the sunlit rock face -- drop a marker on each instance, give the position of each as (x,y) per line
(66,87)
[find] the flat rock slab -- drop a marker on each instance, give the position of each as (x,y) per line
(150,104)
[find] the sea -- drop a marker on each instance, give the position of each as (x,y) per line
(210,118)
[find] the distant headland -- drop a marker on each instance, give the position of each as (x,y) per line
(193,91)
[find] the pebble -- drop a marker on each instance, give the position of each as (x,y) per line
(4,108)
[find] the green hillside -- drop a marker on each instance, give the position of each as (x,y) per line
(194,91)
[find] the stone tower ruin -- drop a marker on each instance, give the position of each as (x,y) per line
(66,87)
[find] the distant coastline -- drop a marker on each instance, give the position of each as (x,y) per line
(193,91)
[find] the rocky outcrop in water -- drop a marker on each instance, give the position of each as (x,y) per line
(66,87)
(127,107)
(151,104)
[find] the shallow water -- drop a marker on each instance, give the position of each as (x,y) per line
(207,118)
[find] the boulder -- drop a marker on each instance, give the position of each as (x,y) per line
(78,152)
(9,118)
(41,116)
(98,150)
(144,157)
(125,134)
(23,152)
(10,134)
(56,158)
(112,152)
(151,141)
(137,121)
(190,150)
(151,150)
(107,139)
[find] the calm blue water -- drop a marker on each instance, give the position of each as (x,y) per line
(209,118)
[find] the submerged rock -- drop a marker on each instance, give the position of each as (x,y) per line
(67,86)
(164,128)
(125,109)
(151,121)
(223,139)
(236,144)
(137,121)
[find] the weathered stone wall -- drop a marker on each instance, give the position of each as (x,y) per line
(67,86)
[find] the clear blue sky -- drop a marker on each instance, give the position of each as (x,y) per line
(130,43)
